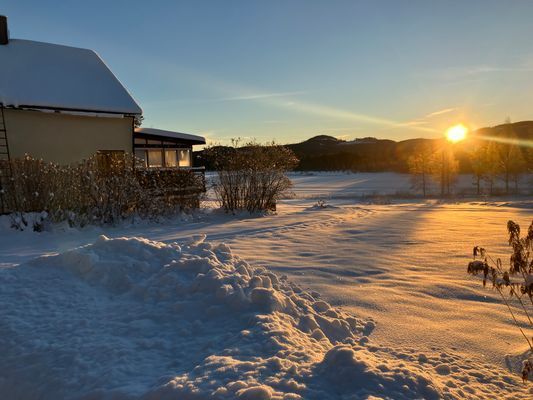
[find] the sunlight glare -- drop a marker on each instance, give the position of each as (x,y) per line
(456,133)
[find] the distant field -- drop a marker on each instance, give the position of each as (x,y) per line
(349,185)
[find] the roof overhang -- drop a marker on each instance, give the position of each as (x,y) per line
(69,111)
(160,134)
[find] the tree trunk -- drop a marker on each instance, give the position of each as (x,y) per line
(506,182)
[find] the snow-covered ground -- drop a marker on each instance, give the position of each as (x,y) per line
(347,301)
(339,185)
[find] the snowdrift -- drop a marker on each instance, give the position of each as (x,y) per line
(130,318)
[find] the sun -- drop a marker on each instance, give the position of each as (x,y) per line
(456,133)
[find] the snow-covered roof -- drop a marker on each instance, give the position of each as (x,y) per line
(171,134)
(52,76)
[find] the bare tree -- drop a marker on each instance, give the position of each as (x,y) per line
(444,167)
(491,165)
(419,165)
(511,164)
(478,161)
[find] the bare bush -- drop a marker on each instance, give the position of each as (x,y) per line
(515,285)
(251,177)
(103,189)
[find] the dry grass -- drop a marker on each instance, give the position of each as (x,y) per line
(515,285)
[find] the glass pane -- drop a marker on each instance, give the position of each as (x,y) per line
(141,154)
(151,141)
(140,141)
(171,159)
(155,158)
(184,157)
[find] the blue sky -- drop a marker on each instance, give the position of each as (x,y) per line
(289,70)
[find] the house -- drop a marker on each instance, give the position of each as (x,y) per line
(164,149)
(63,104)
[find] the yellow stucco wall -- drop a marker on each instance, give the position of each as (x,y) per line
(64,138)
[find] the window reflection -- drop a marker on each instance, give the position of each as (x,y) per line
(184,157)
(171,160)
(155,158)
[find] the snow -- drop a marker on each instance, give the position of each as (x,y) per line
(132,317)
(52,76)
(171,134)
(349,301)
(343,185)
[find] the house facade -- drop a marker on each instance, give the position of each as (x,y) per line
(61,103)
(65,138)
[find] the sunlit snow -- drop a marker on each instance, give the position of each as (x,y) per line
(351,299)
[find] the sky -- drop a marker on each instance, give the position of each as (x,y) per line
(289,70)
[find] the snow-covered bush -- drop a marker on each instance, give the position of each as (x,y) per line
(514,285)
(100,190)
(251,177)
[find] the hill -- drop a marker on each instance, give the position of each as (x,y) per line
(372,155)
(368,154)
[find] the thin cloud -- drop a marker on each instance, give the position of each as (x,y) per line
(440,112)
(414,123)
(246,97)
(477,71)
(330,112)
(259,96)
(236,92)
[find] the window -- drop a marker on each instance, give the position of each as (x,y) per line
(184,156)
(140,141)
(150,141)
(155,158)
(171,159)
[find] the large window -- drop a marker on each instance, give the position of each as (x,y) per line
(158,158)
(155,158)
(184,156)
(162,153)
(171,160)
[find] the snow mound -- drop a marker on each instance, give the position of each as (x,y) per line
(132,318)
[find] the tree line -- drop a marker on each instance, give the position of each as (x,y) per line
(491,161)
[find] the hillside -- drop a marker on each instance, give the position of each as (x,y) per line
(370,154)
(327,153)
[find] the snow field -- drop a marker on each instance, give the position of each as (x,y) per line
(100,322)
(132,318)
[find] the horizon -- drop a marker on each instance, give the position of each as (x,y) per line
(265,71)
